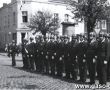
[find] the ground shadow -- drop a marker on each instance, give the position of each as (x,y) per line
(23,76)
(43,74)
(32,87)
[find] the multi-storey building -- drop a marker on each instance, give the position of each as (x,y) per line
(15,16)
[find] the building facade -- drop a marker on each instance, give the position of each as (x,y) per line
(15,18)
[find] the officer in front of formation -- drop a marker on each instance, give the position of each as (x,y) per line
(13,51)
(102,58)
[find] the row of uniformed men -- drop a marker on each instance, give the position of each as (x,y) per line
(73,58)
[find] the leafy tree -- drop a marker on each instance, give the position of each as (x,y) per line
(44,22)
(89,11)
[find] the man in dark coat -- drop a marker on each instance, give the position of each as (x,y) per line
(24,54)
(82,47)
(13,51)
(91,57)
(108,58)
(102,58)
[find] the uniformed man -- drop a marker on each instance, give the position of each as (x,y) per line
(91,57)
(8,52)
(108,58)
(82,47)
(52,57)
(66,57)
(102,58)
(59,56)
(73,57)
(13,51)
(24,54)
(36,53)
(31,53)
(46,56)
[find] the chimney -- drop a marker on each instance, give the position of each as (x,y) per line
(4,4)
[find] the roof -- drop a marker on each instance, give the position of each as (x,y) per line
(58,1)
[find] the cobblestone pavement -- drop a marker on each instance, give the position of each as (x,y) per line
(17,78)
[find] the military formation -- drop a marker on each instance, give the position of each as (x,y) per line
(69,57)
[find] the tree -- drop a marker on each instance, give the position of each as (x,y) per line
(89,11)
(44,21)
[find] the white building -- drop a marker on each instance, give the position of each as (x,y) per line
(15,17)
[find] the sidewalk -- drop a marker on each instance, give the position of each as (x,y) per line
(18,78)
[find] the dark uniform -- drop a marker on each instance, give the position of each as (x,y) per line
(31,53)
(81,59)
(102,60)
(24,55)
(13,51)
(59,56)
(8,51)
(52,57)
(37,54)
(46,57)
(108,58)
(73,58)
(91,59)
(66,58)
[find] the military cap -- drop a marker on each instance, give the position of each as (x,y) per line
(13,41)
(58,37)
(101,34)
(92,34)
(108,35)
(105,35)
(31,38)
(51,37)
(74,37)
(25,40)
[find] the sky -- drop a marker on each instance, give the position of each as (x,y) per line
(4,1)
(8,1)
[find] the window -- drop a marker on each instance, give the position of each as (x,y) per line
(24,16)
(24,1)
(4,20)
(66,17)
(14,18)
(14,36)
(103,24)
(97,25)
(8,20)
(56,16)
